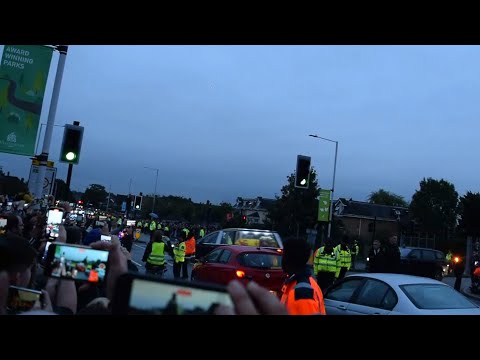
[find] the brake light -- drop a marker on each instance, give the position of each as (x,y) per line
(240,274)
(280,251)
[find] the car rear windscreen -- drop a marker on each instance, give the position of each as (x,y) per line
(435,297)
(260,260)
(256,239)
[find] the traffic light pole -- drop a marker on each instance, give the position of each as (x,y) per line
(43,157)
(333,182)
(70,166)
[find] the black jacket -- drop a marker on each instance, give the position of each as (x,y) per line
(392,259)
(376,263)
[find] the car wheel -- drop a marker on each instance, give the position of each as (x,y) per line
(438,275)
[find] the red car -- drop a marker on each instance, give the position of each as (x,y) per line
(244,263)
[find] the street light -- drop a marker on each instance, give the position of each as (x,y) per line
(333,182)
(155,193)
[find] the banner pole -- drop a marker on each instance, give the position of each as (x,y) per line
(43,158)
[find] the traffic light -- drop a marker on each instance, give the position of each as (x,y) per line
(302,175)
(71,144)
(80,202)
(138,202)
(244,219)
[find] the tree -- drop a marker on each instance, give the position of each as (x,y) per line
(469,211)
(383,197)
(95,194)
(434,206)
(296,210)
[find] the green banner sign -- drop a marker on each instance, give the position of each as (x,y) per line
(324,206)
(23,77)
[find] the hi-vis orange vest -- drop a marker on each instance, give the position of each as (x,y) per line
(303,297)
(190,246)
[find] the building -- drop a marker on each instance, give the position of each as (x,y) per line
(255,209)
(361,219)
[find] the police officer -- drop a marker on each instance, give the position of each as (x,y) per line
(154,255)
(325,265)
(179,255)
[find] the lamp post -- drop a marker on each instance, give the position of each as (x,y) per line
(155,192)
(333,182)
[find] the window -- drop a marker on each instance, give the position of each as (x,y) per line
(372,294)
(209,239)
(414,254)
(435,297)
(344,290)
(428,255)
(439,255)
(223,259)
(260,260)
(257,238)
(213,256)
(390,300)
(228,237)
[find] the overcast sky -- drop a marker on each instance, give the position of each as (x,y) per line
(226,121)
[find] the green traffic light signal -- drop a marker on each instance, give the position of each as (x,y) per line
(72,144)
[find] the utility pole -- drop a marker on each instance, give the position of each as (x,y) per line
(43,157)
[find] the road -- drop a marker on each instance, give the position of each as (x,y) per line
(138,249)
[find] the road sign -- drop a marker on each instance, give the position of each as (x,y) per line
(324,206)
(48,181)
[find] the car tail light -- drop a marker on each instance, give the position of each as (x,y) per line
(280,251)
(240,274)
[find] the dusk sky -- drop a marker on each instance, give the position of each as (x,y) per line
(226,121)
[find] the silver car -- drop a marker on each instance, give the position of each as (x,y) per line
(395,294)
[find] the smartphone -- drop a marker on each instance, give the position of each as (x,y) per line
(22,299)
(105,238)
(54,220)
(137,294)
(102,218)
(76,262)
(131,222)
(99,223)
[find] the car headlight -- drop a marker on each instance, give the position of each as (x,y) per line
(368,259)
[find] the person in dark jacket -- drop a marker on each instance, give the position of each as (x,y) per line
(458,270)
(376,258)
(127,239)
(392,256)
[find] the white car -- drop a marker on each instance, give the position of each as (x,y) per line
(395,294)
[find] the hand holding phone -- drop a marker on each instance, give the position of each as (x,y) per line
(76,262)
(54,220)
(22,299)
(141,294)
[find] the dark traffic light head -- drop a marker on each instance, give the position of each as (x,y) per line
(302,174)
(71,144)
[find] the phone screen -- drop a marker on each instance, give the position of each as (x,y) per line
(102,218)
(99,223)
(105,238)
(3,224)
(22,299)
(130,222)
(73,262)
(167,298)
(54,219)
